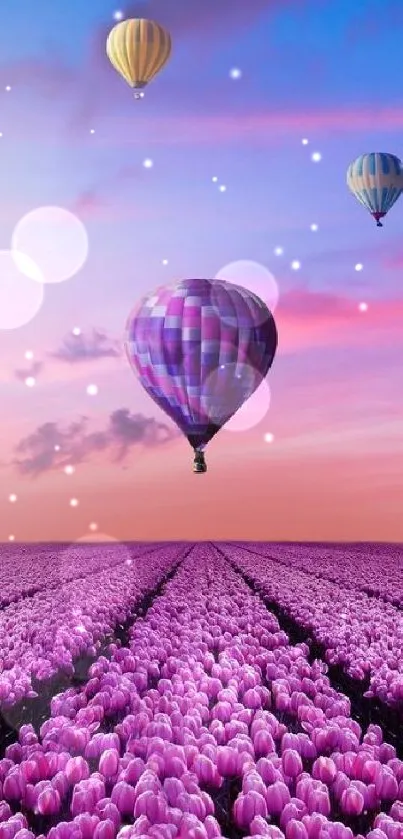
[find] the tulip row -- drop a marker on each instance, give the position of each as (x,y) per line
(377,571)
(59,565)
(360,633)
(43,635)
(209,723)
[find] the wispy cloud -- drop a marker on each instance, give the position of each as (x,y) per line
(308,318)
(31,370)
(89,346)
(51,446)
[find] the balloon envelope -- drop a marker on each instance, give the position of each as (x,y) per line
(200,349)
(138,49)
(376,180)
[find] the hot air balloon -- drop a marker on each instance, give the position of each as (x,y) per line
(200,349)
(138,49)
(376,180)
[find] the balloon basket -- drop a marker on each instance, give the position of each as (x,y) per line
(199,463)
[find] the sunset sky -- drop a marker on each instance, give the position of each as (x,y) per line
(328,71)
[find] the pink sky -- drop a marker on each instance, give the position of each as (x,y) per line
(73,137)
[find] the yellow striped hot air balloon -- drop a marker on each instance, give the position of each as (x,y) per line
(138,49)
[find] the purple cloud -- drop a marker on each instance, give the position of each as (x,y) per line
(52,447)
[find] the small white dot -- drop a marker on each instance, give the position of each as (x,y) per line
(93,526)
(314,228)
(73,502)
(12,498)
(8,88)
(268,438)
(358,267)
(57,448)
(278,251)
(316,156)
(128,561)
(165,262)
(222,188)
(148,163)
(29,355)
(30,381)
(235,73)
(11,538)
(118,15)
(92,131)
(295,265)
(304,141)
(1,133)
(69,470)
(215,179)
(76,331)
(363,307)
(92,390)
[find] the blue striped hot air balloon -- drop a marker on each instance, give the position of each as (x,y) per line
(376,180)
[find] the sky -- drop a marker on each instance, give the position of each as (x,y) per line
(231,180)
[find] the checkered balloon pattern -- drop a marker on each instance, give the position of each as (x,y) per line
(200,349)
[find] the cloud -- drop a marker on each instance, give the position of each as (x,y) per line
(32,371)
(307,319)
(256,128)
(190,18)
(103,195)
(87,347)
(51,447)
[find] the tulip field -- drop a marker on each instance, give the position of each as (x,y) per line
(195,691)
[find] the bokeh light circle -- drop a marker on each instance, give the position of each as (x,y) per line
(253,411)
(55,239)
(21,297)
(225,391)
(254,277)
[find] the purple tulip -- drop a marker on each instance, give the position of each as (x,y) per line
(86,825)
(277,796)
(206,771)
(296,830)
(253,781)
(123,796)
(105,809)
(352,802)
(324,769)
(386,785)
(173,787)
(76,770)
(212,827)
(396,811)
(105,830)
(5,811)
(109,763)
(292,763)
(151,805)
(191,828)
(48,802)
(248,806)
(268,771)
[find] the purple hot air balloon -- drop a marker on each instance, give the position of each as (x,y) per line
(200,349)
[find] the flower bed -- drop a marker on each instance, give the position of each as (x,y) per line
(208,723)
(377,570)
(360,633)
(44,634)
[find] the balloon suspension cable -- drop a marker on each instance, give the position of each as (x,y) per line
(199,463)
